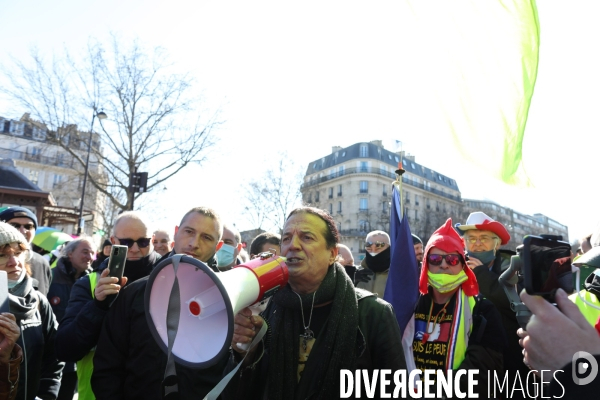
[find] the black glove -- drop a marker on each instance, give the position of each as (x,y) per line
(363,275)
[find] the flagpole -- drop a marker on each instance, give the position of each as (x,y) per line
(398,184)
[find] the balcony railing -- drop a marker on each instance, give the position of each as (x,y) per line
(64,161)
(381,172)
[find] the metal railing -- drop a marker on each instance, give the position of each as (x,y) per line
(381,172)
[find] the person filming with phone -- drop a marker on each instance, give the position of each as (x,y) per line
(93,294)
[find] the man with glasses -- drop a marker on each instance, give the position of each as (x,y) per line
(128,363)
(25,221)
(482,237)
(376,264)
(93,294)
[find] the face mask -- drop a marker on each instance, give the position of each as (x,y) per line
(445,283)
(378,262)
(225,255)
(13,283)
(485,257)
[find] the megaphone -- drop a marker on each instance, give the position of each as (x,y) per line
(198,305)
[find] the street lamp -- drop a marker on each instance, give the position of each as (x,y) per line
(101,115)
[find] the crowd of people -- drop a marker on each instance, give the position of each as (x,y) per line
(74,329)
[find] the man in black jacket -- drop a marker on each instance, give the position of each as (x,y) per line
(92,295)
(128,363)
(483,237)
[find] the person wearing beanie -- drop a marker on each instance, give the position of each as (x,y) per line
(448,330)
(40,372)
(25,221)
(103,254)
(418,245)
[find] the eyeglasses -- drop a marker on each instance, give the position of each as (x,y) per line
(26,226)
(483,240)
(451,259)
(141,242)
(376,244)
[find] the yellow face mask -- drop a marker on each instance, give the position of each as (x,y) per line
(445,283)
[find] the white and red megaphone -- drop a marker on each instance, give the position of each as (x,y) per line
(199,306)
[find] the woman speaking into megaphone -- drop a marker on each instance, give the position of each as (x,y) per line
(318,324)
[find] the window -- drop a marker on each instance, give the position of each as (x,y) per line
(364,205)
(339,207)
(364,150)
(57,180)
(364,166)
(331,192)
(384,189)
(330,208)
(317,197)
(416,200)
(363,226)
(407,201)
(385,206)
(332,173)
(340,170)
(309,198)
(33,176)
(339,190)
(364,187)
(416,215)
(343,154)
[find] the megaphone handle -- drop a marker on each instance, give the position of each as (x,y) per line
(216,391)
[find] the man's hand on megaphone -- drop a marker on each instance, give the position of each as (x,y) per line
(245,326)
(107,285)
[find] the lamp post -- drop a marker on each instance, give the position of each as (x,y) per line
(101,115)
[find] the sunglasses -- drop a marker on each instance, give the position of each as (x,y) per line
(18,226)
(141,242)
(376,244)
(451,259)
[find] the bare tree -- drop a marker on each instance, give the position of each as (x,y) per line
(270,198)
(155,120)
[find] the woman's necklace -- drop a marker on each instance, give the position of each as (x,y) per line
(435,320)
(308,334)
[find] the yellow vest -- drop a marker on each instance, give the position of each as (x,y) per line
(591,314)
(85,366)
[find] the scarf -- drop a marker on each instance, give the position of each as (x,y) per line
(23,300)
(380,262)
(334,348)
(141,268)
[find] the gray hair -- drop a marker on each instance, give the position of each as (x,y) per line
(381,233)
(71,246)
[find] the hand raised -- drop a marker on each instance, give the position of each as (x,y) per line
(107,285)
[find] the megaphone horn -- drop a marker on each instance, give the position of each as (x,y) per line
(207,303)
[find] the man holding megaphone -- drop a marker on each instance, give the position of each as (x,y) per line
(319,323)
(128,363)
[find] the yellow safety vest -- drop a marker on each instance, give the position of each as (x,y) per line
(590,313)
(85,366)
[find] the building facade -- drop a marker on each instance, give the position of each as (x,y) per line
(354,184)
(518,224)
(29,144)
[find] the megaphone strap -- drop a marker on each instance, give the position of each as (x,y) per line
(169,384)
(216,391)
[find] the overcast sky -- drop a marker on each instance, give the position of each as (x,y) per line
(303,77)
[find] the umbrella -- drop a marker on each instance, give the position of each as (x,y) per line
(51,239)
(41,229)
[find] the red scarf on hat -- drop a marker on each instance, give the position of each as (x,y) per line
(445,238)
